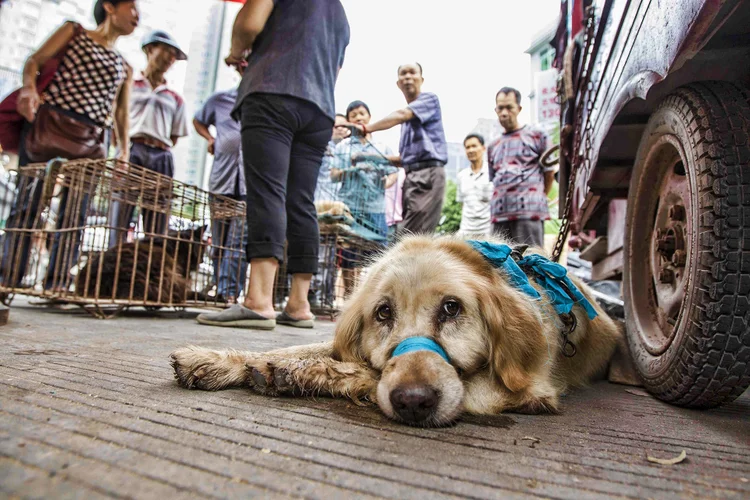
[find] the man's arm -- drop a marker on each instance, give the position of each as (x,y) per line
(179,123)
(204,132)
(549,173)
(391,179)
(390,121)
(249,23)
(549,180)
(122,115)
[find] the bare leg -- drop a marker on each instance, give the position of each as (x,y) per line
(298,307)
(259,296)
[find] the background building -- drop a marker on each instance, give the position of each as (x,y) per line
(544,107)
(489,128)
(457,160)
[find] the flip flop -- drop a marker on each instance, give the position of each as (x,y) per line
(284,319)
(237,316)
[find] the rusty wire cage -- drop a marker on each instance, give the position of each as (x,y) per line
(108,235)
(352,218)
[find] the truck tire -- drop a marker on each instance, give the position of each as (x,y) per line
(686,276)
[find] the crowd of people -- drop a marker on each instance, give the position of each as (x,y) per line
(280,146)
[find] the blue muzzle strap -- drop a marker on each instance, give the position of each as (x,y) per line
(551,276)
(413,344)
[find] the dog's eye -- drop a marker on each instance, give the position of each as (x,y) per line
(451,308)
(384,313)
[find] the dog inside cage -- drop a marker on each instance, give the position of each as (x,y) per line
(351,203)
(107,232)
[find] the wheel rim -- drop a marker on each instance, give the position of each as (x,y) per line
(661,229)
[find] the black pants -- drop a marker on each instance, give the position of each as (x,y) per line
(121,214)
(527,232)
(283,141)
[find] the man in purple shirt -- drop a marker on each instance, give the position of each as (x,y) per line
(423,150)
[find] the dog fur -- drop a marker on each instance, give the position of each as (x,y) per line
(504,348)
(165,278)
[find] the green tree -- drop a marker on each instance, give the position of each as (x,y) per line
(450,219)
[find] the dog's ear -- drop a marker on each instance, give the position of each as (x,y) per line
(517,344)
(347,337)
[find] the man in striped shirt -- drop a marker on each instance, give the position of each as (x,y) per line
(519,201)
(157,120)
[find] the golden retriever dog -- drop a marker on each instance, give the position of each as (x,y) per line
(332,208)
(488,347)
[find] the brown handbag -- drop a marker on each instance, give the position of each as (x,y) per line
(54,134)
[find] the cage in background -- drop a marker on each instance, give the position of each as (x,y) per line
(351,207)
(70,238)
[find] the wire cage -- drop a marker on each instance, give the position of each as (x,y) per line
(356,188)
(70,238)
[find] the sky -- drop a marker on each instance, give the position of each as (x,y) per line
(469,49)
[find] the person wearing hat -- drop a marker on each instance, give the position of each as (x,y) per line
(157,120)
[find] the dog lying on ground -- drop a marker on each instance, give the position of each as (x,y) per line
(164,278)
(487,346)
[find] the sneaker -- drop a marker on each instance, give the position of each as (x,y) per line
(237,316)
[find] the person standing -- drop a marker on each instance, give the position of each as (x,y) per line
(394,209)
(423,150)
(474,190)
(157,120)
(364,171)
(327,190)
(323,288)
(91,86)
(286,107)
(227,178)
(519,201)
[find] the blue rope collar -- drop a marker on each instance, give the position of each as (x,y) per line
(551,276)
(413,344)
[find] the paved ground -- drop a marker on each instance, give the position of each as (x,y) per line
(89,408)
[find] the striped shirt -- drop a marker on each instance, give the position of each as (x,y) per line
(158,113)
(517,176)
(474,191)
(87,80)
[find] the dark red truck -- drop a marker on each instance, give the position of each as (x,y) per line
(655,157)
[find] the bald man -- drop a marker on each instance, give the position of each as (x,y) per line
(422,150)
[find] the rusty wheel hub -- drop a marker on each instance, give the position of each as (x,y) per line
(669,254)
(660,246)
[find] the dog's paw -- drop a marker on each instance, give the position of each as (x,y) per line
(268,379)
(538,406)
(199,368)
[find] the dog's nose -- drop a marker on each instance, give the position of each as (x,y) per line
(414,403)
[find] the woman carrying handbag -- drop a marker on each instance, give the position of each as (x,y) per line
(85,97)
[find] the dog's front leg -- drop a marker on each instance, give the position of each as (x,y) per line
(307,369)
(212,370)
(274,375)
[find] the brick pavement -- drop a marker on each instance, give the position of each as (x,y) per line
(89,409)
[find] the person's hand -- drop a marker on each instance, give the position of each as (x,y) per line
(123,155)
(344,131)
(211,143)
(28,103)
(357,158)
(238,61)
